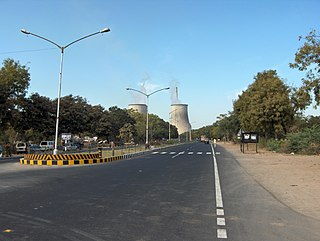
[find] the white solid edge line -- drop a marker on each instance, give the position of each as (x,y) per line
(219,202)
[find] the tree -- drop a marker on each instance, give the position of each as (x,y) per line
(38,115)
(14,82)
(118,118)
(140,125)
(265,106)
(74,115)
(127,133)
(308,59)
(158,128)
(227,126)
(203,131)
(95,113)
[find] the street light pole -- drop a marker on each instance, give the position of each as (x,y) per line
(62,48)
(147,122)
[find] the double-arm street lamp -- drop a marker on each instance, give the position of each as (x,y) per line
(62,48)
(147,122)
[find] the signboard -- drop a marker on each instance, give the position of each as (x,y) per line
(66,136)
(249,137)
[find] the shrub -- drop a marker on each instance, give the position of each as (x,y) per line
(277,145)
(306,141)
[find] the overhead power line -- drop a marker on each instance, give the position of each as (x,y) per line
(26,51)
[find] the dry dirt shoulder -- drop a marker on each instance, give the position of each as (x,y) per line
(293,179)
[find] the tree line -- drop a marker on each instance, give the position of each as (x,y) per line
(275,110)
(32,118)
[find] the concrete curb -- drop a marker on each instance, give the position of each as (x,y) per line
(75,159)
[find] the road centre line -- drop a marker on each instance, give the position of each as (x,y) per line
(221,233)
(220,212)
(221,221)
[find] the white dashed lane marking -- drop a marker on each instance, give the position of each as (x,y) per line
(220,212)
(222,233)
(181,153)
(221,222)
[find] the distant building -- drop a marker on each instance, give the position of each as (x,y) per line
(179,118)
(140,108)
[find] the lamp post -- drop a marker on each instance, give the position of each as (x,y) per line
(147,122)
(62,48)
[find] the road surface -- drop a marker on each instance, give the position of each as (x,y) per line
(188,192)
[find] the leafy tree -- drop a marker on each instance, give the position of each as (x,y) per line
(158,128)
(14,82)
(140,125)
(173,131)
(74,115)
(38,116)
(127,133)
(203,131)
(265,106)
(301,122)
(118,118)
(227,126)
(308,59)
(103,126)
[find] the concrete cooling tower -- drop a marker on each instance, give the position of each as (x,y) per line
(179,118)
(140,108)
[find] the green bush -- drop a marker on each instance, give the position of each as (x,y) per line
(306,141)
(277,145)
(273,145)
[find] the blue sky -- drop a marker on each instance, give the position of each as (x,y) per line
(209,49)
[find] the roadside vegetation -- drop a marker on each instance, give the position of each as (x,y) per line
(275,110)
(32,118)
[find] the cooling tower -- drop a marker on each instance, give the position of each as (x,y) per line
(141,108)
(179,117)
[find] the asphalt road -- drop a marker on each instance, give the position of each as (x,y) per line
(171,194)
(12,159)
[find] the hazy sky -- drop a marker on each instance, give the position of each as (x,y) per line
(211,50)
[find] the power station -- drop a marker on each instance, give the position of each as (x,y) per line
(140,108)
(178,115)
(179,118)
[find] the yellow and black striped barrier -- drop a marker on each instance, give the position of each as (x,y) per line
(67,159)
(61,156)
